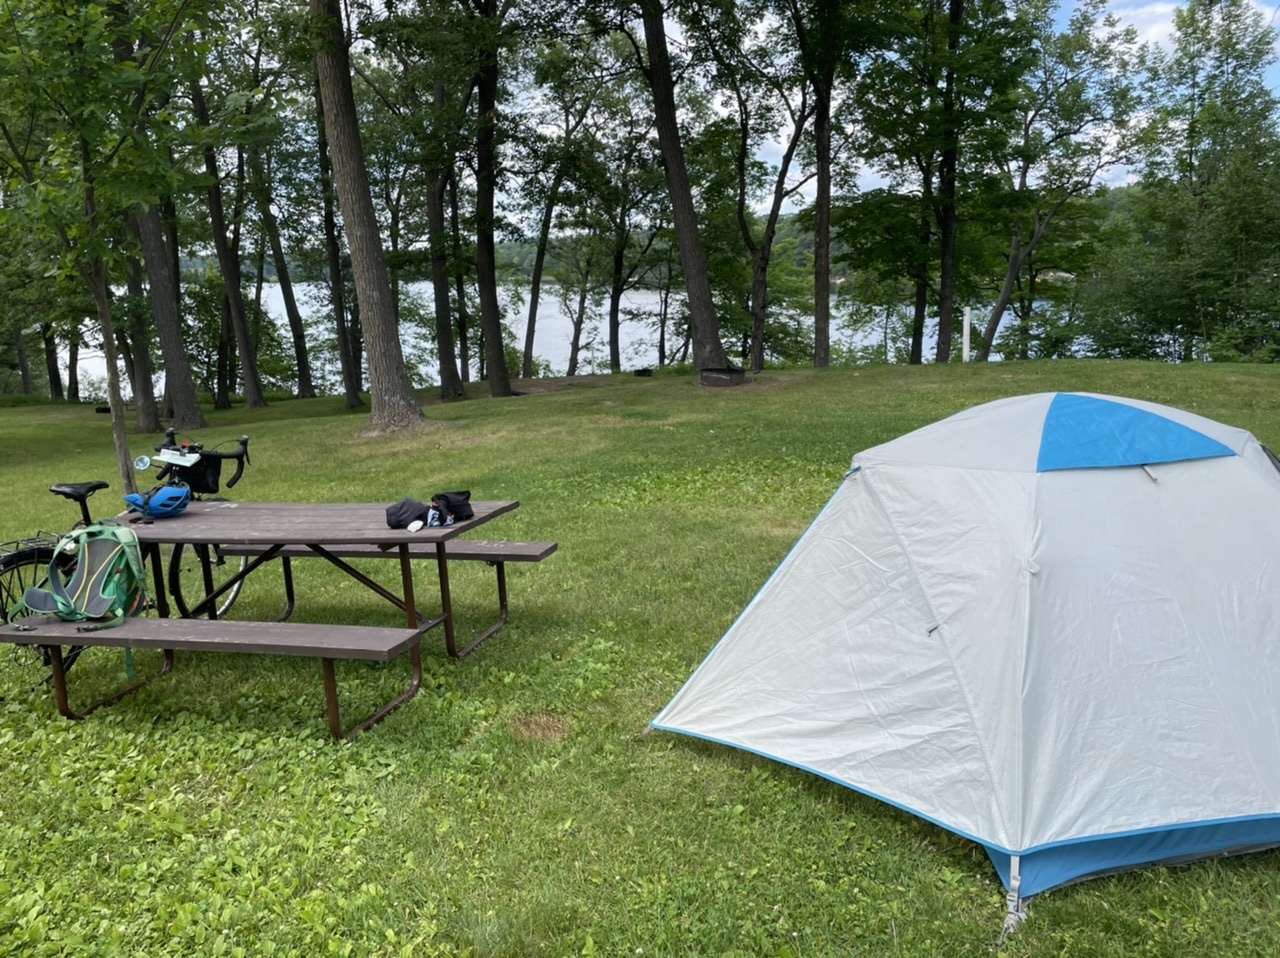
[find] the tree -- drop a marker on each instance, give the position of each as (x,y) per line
(1073,123)
(75,96)
(935,105)
(1196,277)
(569,80)
(392,405)
(828,37)
(708,350)
(757,64)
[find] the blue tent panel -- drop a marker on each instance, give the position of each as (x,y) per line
(1061,864)
(1082,432)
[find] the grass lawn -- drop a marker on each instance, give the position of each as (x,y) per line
(512,808)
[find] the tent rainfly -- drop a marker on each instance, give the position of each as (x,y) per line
(1050,624)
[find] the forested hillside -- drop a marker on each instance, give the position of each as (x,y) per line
(791,181)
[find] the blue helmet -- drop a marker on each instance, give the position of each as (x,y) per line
(160,502)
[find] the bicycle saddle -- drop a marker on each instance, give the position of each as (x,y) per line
(78,491)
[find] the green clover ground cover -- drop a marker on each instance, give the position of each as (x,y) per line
(513,808)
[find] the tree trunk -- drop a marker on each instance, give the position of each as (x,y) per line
(948,174)
(579,317)
(616,284)
(348,358)
(146,413)
(225,375)
(392,404)
(158,259)
(73,366)
(450,382)
(486,185)
(1017,256)
(271,226)
(759,302)
(822,221)
(460,284)
(94,273)
(539,263)
(708,350)
(229,264)
(51,367)
(93,270)
(24,362)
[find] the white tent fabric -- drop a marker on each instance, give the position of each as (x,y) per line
(1048,623)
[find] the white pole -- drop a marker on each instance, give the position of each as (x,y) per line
(967,311)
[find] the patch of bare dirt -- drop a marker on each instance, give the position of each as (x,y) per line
(540,727)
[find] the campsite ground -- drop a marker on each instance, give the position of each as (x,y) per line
(512,809)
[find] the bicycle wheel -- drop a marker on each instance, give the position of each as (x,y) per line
(187,583)
(22,568)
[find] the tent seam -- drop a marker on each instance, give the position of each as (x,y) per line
(937,624)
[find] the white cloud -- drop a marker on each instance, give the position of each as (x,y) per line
(1154,20)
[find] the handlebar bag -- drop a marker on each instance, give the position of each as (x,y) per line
(203,477)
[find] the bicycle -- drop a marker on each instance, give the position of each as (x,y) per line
(199,571)
(193,572)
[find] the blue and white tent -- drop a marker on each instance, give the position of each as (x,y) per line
(1050,624)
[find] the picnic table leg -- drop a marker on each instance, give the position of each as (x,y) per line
(331,697)
(152,553)
(501,570)
(60,683)
(446,600)
(287,568)
(411,615)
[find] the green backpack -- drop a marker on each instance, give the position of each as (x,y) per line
(106,585)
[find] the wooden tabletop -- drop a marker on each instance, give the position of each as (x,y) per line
(321,523)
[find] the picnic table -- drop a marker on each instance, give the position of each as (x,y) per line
(265,530)
(262,532)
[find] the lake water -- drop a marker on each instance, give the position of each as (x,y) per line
(553,331)
(552,338)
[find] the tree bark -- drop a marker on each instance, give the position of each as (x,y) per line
(146,413)
(822,87)
(486,255)
(229,264)
(24,362)
(348,358)
(948,175)
(51,367)
(450,382)
(438,241)
(94,273)
(73,366)
(539,263)
(460,284)
(392,404)
(271,226)
(708,350)
(158,260)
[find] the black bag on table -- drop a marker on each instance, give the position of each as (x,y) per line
(401,513)
(456,504)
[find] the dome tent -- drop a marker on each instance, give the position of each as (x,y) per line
(1048,624)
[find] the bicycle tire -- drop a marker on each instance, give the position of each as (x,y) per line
(26,567)
(186,577)
(23,568)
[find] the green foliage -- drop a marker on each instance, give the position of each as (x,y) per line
(511,809)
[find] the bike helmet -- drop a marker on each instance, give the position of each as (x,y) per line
(160,502)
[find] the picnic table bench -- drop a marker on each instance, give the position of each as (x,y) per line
(497,554)
(325,642)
